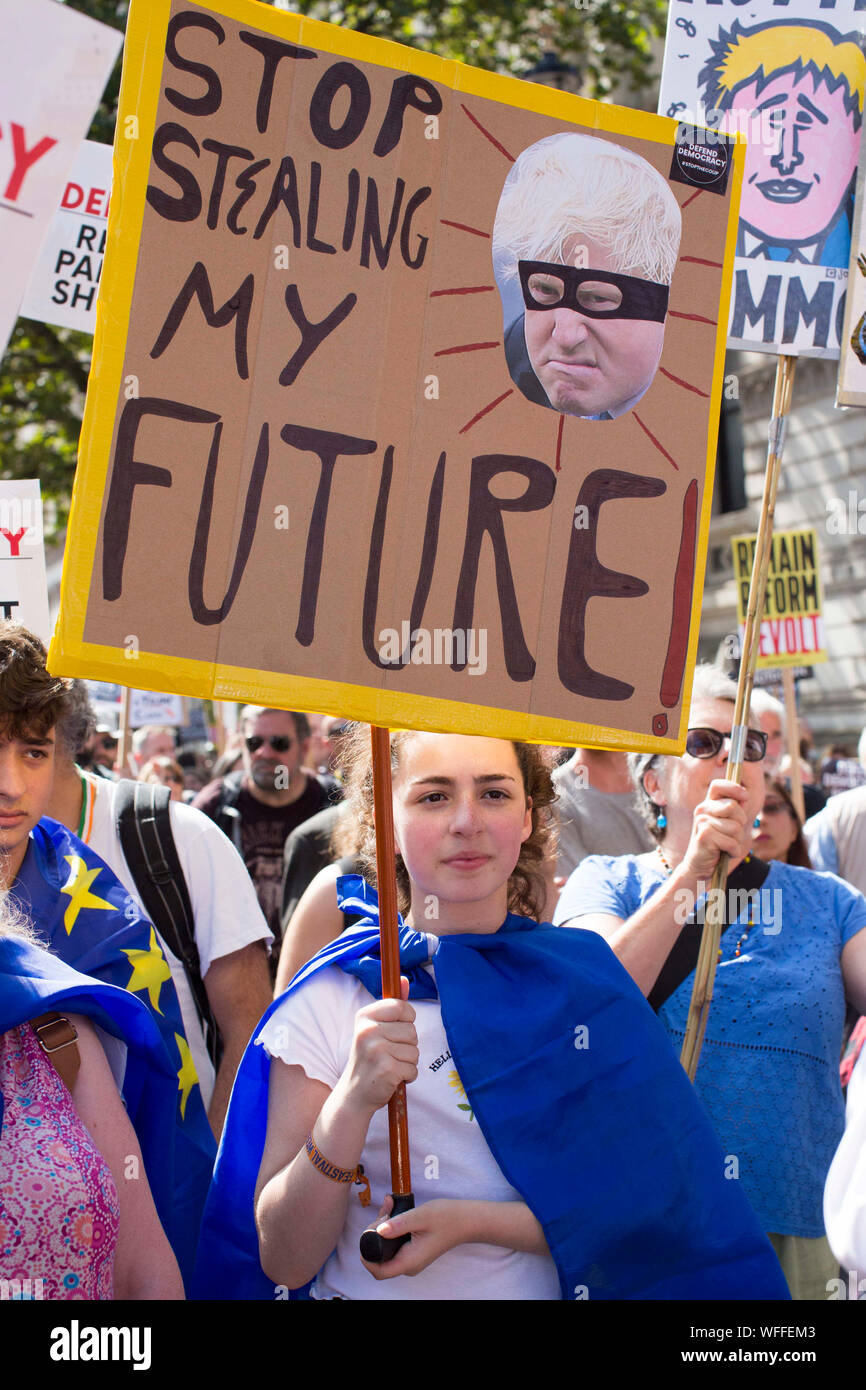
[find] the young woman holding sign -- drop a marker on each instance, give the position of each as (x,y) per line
(541,1140)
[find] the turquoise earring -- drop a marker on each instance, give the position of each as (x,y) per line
(662,820)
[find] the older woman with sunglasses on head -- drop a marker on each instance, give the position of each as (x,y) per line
(794,946)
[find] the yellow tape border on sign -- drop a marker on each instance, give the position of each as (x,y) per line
(390,709)
(144,55)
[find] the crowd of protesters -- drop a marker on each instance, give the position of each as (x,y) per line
(156,934)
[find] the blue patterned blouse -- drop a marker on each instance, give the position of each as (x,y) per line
(769,1068)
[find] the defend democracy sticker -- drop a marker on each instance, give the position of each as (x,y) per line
(703,162)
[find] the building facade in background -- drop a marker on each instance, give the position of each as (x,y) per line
(823,485)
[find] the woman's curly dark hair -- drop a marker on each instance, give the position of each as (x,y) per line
(527,887)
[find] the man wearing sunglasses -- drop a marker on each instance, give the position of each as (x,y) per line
(260,806)
(584,247)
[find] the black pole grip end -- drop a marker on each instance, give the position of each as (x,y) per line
(375,1249)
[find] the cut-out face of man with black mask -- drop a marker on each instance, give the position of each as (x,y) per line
(586,239)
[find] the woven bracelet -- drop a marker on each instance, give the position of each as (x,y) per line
(340,1175)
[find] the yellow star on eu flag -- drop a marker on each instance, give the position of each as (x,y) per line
(187,1077)
(149,970)
(78,888)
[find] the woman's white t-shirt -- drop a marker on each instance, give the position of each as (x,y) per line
(314,1029)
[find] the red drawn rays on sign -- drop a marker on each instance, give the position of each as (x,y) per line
(486,133)
(679,381)
(480,346)
(487,409)
(462,289)
(465,347)
(462,227)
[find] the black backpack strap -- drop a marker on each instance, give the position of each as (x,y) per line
(683,956)
(144,827)
(226,815)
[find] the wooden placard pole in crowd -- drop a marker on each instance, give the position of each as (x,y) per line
(705,972)
(123,734)
(219,726)
(373,1247)
(792,731)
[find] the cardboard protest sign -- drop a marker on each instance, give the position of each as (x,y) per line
(54,63)
(791,78)
(105,698)
(153,707)
(23,580)
(406,393)
(65,280)
(851,385)
(145,706)
(792,628)
(770,677)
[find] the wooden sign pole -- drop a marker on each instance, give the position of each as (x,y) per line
(792,728)
(123,735)
(373,1247)
(219,726)
(705,972)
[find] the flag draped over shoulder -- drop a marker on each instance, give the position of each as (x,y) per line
(580,1097)
(84,914)
(34,982)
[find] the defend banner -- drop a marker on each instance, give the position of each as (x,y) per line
(405,390)
(790,77)
(65,280)
(792,629)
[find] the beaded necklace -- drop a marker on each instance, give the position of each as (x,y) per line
(749,924)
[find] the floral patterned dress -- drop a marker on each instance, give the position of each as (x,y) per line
(58,1202)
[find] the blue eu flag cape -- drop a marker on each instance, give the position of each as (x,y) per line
(84,914)
(582,1102)
(34,982)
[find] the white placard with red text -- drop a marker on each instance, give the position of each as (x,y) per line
(65,281)
(23,583)
(54,63)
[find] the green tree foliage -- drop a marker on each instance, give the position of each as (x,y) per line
(44,372)
(608,41)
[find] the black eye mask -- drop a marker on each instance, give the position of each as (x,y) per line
(598,294)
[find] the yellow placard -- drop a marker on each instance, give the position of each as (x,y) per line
(405,390)
(792,628)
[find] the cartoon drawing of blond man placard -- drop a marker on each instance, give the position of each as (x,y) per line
(806,82)
(793,85)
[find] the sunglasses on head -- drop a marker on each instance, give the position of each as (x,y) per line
(599,294)
(705,743)
(281,743)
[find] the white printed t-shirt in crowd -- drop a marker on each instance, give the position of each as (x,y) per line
(314,1029)
(845,1190)
(225,908)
